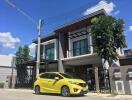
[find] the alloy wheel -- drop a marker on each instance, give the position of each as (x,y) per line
(65,91)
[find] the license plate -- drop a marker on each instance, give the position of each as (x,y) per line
(84,89)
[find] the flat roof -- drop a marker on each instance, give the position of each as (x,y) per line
(73,25)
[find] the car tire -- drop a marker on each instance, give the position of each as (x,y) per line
(65,91)
(37,90)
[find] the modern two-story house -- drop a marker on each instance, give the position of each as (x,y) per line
(70,49)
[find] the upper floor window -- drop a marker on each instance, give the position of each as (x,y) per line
(49,51)
(80,47)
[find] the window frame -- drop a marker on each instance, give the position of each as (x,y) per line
(80,50)
(51,52)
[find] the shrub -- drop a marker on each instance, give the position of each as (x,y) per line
(1,85)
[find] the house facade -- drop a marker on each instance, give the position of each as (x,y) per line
(71,47)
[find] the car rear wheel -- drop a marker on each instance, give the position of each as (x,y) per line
(65,91)
(37,90)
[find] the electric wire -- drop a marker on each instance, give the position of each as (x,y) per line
(20,11)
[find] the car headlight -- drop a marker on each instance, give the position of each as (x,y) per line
(73,83)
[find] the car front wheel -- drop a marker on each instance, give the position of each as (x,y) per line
(65,91)
(37,90)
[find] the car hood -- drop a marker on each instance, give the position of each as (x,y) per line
(76,80)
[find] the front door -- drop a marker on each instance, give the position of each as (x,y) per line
(44,82)
(54,85)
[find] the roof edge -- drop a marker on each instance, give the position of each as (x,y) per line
(80,19)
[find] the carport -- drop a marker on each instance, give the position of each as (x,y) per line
(83,64)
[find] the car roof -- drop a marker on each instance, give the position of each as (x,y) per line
(50,72)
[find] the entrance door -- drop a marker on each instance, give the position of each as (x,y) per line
(90,79)
(44,79)
(54,85)
(87,74)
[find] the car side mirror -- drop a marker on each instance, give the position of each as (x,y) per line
(56,78)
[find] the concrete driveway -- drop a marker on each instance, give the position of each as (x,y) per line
(22,94)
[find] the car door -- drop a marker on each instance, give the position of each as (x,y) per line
(44,79)
(54,85)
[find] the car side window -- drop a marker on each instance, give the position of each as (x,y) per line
(53,75)
(46,75)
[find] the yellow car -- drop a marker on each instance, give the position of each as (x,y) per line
(60,83)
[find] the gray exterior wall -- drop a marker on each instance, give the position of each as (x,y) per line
(124,78)
(7,69)
(5,74)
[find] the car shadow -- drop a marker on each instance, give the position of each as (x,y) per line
(51,94)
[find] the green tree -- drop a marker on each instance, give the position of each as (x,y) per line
(22,56)
(108,36)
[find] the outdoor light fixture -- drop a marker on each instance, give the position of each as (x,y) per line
(117,74)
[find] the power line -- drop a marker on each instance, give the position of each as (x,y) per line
(20,11)
(68,15)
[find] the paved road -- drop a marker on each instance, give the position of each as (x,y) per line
(29,95)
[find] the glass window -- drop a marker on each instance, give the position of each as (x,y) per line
(49,51)
(46,75)
(66,76)
(80,47)
(53,75)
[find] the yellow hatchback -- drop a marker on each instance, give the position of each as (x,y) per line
(60,83)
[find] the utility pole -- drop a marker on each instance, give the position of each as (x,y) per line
(39,27)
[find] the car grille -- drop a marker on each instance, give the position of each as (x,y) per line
(82,84)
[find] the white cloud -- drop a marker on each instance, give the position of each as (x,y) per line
(32,49)
(108,7)
(116,12)
(130,28)
(11,54)
(7,40)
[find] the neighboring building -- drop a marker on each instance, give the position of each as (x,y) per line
(70,50)
(127,58)
(121,77)
(7,70)
(128,52)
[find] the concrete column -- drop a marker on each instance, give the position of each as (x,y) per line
(90,43)
(69,40)
(96,78)
(60,52)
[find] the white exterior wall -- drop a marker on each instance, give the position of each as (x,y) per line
(7,60)
(7,68)
(88,36)
(55,41)
(5,72)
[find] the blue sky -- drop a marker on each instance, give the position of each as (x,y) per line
(16,29)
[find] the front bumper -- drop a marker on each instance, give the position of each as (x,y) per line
(83,92)
(78,90)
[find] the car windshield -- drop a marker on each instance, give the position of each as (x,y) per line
(66,76)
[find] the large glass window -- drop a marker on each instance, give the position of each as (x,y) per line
(46,75)
(49,51)
(80,47)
